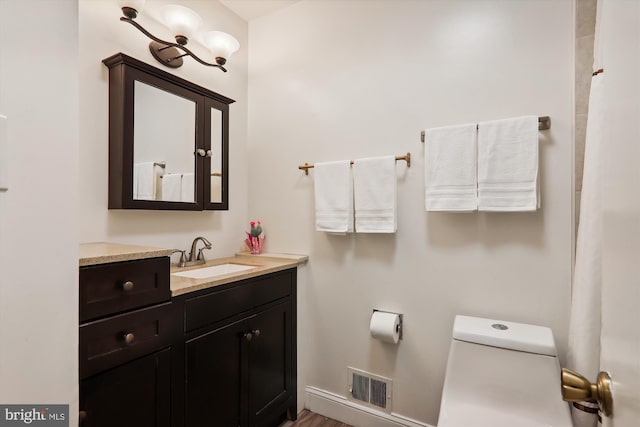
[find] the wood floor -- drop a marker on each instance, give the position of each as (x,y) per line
(309,419)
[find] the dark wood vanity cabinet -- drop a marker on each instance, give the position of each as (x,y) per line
(240,353)
(223,356)
(128,329)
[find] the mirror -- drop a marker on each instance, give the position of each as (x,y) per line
(163,140)
(216,159)
(168,140)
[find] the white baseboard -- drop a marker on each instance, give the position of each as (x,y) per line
(340,408)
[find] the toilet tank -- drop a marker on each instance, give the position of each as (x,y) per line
(502,374)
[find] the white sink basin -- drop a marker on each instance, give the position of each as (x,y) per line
(214,270)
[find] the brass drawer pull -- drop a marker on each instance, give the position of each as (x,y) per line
(128,285)
(128,338)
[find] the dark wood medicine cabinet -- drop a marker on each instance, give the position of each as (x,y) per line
(168,140)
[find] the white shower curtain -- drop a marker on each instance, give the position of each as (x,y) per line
(585,321)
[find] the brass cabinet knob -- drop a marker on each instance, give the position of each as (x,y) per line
(128,285)
(576,388)
(128,338)
(249,335)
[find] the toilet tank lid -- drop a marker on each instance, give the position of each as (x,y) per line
(510,335)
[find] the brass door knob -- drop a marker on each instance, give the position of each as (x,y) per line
(576,388)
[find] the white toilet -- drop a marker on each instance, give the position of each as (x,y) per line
(502,374)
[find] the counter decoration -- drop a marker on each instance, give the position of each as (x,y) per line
(255,238)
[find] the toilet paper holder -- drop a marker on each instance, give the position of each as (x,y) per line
(399,327)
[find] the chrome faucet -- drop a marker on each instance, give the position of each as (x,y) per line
(199,259)
(193,258)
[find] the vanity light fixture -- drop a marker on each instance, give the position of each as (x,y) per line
(184,24)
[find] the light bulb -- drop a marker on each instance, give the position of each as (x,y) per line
(222,45)
(182,21)
(131,8)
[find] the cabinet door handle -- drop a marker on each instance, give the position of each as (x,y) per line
(128,338)
(209,153)
(249,335)
(128,285)
(201,152)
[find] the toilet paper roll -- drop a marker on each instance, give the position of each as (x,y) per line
(385,326)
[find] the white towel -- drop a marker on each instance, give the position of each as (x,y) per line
(216,189)
(187,188)
(374,190)
(159,174)
(172,187)
(451,182)
(144,181)
(508,165)
(333,191)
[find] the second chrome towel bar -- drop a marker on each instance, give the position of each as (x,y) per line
(544,123)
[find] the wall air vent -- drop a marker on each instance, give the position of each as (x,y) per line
(369,389)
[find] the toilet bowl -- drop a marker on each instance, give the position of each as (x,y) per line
(502,374)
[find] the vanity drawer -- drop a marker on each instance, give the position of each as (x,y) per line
(115,340)
(107,289)
(212,307)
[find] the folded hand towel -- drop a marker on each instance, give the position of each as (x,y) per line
(187,188)
(508,164)
(216,188)
(144,181)
(374,190)
(172,187)
(450,168)
(333,190)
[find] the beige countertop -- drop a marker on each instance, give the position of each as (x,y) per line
(104,253)
(264,263)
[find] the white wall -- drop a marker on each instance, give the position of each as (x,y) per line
(102,35)
(331,80)
(38,215)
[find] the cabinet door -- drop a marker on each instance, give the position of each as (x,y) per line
(213,369)
(270,382)
(136,394)
(216,170)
